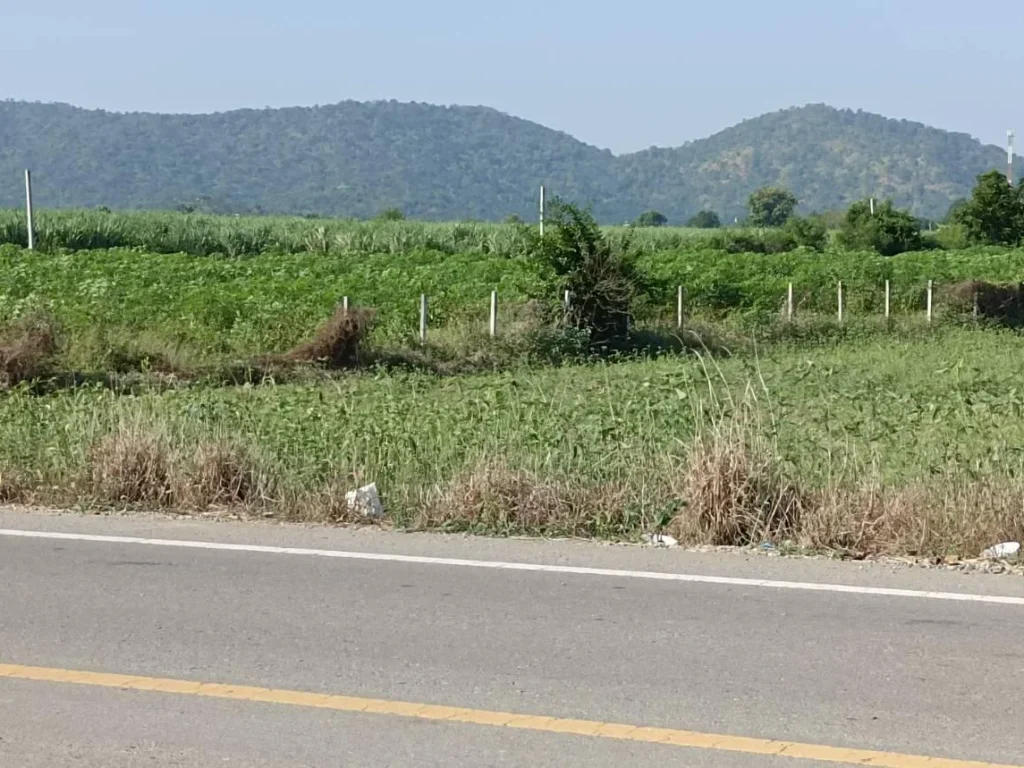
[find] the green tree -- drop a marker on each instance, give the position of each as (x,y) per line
(390,214)
(994,215)
(889,230)
(602,278)
(809,231)
(651,219)
(705,220)
(771,206)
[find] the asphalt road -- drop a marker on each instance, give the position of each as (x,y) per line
(906,676)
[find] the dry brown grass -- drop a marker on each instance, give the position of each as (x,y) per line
(337,343)
(738,491)
(27,349)
(326,505)
(137,466)
(954,516)
(1001,303)
(13,488)
(733,498)
(221,474)
(131,466)
(495,498)
(735,491)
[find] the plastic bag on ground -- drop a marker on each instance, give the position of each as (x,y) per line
(366,502)
(659,540)
(1000,551)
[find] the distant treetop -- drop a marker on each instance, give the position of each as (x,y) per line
(705,220)
(651,219)
(771,206)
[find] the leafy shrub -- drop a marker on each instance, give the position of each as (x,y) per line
(602,279)
(951,237)
(808,232)
(749,241)
(888,231)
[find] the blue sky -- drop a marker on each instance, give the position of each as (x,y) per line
(619,75)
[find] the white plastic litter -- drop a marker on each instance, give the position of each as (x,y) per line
(659,540)
(365,501)
(999,551)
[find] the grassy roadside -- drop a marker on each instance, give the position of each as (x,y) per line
(880,445)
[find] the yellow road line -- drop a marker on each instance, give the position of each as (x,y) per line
(617,731)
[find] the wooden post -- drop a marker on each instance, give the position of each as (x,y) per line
(928,302)
(679,307)
(542,210)
(789,303)
(344,303)
(887,300)
(494,314)
(840,297)
(423,318)
(28,210)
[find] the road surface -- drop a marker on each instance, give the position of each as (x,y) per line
(220,644)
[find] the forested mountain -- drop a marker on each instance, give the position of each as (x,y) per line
(355,159)
(827,157)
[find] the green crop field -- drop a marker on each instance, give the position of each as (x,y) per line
(867,437)
(202,235)
(237,308)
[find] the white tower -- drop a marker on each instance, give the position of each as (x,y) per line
(1009,155)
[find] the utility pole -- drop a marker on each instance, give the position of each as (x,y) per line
(1009,155)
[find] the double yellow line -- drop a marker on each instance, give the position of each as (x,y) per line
(593,729)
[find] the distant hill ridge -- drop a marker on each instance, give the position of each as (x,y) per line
(433,162)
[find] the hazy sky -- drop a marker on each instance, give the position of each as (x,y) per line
(620,75)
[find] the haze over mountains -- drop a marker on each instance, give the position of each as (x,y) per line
(433,162)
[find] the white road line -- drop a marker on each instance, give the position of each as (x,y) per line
(690,578)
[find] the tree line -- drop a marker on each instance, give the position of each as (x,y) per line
(992,215)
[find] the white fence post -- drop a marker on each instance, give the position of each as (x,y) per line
(840,297)
(344,303)
(928,301)
(28,210)
(679,307)
(494,314)
(887,299)
(423,318)
(542,210)
(789,303)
